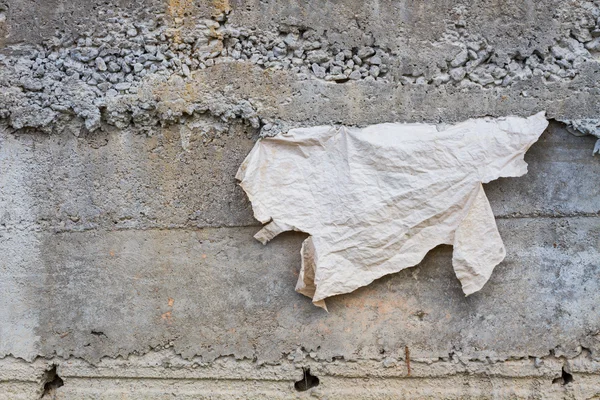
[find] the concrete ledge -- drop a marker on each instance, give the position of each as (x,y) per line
(184,177)
(163,374)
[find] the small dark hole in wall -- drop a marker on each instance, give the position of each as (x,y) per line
(308,381)
(53,382)
(564,379)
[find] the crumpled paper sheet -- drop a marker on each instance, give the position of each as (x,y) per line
(375,200)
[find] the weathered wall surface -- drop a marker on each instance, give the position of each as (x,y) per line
(128,265)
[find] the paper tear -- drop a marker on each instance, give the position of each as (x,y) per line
(375,200)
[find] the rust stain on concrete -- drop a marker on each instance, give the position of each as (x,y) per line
(407,359)
(179,8)
(167,316)
(221,6)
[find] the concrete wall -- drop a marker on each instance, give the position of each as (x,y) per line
(128,266)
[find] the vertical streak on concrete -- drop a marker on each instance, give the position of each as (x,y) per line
(19,266)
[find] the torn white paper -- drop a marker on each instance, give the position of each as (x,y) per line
(375,200)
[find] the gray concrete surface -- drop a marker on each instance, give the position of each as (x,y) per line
(109,293)
(128,265)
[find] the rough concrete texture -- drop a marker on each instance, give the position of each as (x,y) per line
(162,375)
(149,62)
(128,266)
